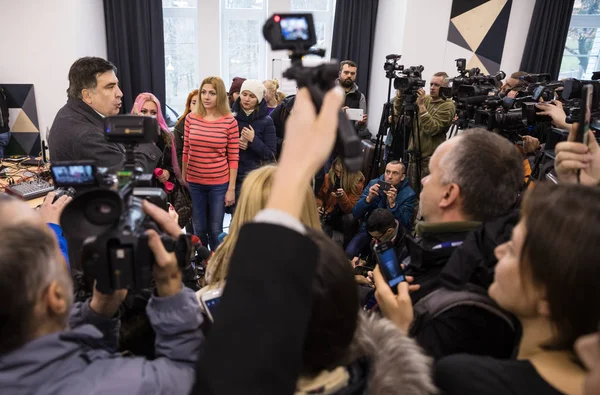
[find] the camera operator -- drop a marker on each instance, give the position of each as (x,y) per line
(513,83)
(77,132)
(354,97)
(38,351)
(468,211)
(435,118)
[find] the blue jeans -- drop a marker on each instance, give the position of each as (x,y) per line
(208,212)
(4,140)
(358,244)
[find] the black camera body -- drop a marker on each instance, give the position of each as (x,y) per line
(107,217)
(410,80)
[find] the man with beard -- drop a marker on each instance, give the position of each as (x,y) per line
(354,97)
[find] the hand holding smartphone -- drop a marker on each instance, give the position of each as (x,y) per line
(210,301)
(388,264)
(384,186)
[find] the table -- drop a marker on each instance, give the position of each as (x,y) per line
(17,173)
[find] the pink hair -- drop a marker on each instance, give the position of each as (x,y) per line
(140,100)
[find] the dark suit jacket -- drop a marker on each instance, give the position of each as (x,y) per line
(77,133)
(256,343)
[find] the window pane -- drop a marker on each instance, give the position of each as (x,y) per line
(320,32)
(244,4)
(180,3)
(244,47)
(181,60)
(581,53)
(310,5)
(586,7)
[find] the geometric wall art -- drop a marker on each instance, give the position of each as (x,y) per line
(477,32)
(22,120)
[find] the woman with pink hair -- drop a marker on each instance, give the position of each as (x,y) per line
(168,172)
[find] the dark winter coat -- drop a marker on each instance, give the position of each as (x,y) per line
(279,115)
(77,134)
(264,145)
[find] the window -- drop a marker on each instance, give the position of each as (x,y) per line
(180,21)
(582,50)
(323,14)
(243,47)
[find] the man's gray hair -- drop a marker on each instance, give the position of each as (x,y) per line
(488,170)
(27,266)
(397,162)
(444,75)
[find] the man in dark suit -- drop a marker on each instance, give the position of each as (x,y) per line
(77,132)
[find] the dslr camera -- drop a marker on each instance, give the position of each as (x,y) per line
(107,213)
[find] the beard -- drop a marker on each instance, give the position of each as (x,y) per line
(347,83)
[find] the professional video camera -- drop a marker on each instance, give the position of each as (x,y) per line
(296,33)
(470,90)
(107,215)
(410,81)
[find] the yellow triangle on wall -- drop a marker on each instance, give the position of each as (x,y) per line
(23,124)
(473,25)
(476,62)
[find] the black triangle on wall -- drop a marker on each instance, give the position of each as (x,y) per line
(16,94)
(455,37)
(461,6)
(30,108)
(492,45)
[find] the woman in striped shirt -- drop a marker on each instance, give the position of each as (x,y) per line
(210,160)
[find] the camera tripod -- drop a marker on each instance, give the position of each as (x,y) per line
(384,124)
(414,155)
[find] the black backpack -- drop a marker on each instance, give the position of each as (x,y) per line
(3,111)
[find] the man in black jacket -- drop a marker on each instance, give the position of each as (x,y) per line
(354,97)
(77,132)
(475,179)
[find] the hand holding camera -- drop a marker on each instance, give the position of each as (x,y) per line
(572,156)
(167,274)
(373,192)
(391,196)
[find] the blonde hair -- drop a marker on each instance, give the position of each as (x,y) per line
(253,198)
(274,84)
(188,103)
(222,101)
(349,182)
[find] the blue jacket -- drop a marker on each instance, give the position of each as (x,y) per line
(264,146)
(82,360)
(405,204)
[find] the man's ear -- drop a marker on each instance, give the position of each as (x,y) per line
(451,195)
(86,95)
(57,299)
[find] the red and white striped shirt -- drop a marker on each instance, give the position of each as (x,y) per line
(210,149)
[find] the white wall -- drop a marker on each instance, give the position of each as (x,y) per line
(209,29)
(45,38)
(418,30)
(389,39)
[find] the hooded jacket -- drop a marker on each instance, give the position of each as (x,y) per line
(279,115)
(263,147)
(77,134)
(386,361)
(406,198)
(83,360)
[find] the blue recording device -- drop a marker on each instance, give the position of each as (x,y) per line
(388,264)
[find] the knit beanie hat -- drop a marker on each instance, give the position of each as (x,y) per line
(254,86)
(236,85)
